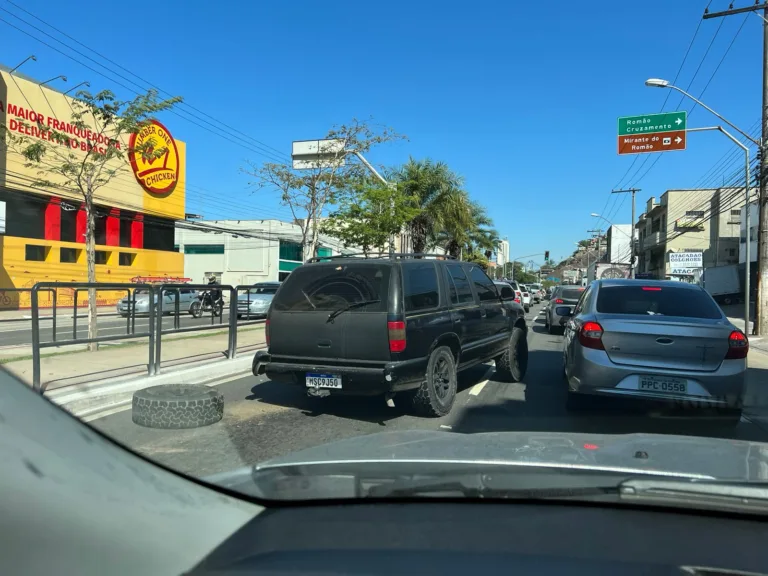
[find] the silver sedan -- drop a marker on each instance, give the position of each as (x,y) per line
(256,301)
(658,340)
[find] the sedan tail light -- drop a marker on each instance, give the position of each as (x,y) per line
(396,336)
(558,301)
(738,346)
(266,330)
(590,335)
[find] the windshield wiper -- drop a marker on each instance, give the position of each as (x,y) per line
(473,486)
(712,494)
(338,311)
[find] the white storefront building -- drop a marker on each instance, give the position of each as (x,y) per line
(249,251)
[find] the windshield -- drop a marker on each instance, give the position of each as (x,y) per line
(452,220)
(653,300)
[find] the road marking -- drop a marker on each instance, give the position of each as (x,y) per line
(446,427)
(477,388)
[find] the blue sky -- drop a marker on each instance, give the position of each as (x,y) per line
(521,98)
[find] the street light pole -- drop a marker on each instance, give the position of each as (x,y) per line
(632,237)
(658,83)
(747,256)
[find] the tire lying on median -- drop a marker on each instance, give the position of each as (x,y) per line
(177,406)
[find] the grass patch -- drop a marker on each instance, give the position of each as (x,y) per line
(169,337)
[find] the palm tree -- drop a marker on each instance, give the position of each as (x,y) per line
(474,234)
(440,197)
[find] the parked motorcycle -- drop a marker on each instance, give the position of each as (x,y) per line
(204,304)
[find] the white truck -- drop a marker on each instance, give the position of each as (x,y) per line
(605,271)
(722,282)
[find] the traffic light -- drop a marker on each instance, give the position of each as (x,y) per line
(546,255)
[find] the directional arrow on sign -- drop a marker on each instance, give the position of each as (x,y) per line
(678,121)
(678,140)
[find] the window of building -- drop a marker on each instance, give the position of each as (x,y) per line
(735,212)
(68,255)
(204,248)
(420,290)
(463,294)
(323,252)
(126,259)
(101,226)
(102,256)
(731,251)
(291,251)
(483,285)
(69,224)
(126,220)
(25,215)
(158,233)
(282,276)
(35,253)
(694,213)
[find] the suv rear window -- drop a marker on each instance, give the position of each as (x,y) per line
(570,293)
(331,286)
(656,300)
(420,290)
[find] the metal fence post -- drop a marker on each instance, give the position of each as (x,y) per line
(128,317)
(176,309)
(54,313)
(151,297)
(159,333)
(232,341)
(74,318)
(36,386)
(132,312)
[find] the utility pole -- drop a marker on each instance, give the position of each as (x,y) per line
(761,304)
(632,230)
(595,234)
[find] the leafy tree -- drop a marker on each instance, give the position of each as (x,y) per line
(477,258)
(368,217)
(309,192)
(83,172)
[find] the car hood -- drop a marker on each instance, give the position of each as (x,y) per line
(630,454)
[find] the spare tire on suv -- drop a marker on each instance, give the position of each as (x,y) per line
(381,326)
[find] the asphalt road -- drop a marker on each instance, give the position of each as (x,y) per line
(265,419)
(14,333)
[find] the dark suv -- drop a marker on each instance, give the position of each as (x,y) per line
(405,323)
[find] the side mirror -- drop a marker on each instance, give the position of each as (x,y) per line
(563,311)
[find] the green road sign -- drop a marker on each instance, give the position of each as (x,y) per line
(652,123)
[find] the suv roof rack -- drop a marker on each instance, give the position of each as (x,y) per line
(394,256)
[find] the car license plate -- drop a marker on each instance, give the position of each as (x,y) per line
(663,384)
(323,381)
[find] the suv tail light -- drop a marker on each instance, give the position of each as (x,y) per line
(266,330)
(590,335)
(559,301)
(396,336)
(738,346)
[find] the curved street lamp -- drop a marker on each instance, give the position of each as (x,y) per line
(660,83)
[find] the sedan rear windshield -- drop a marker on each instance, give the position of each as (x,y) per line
(333,286)
(657,300)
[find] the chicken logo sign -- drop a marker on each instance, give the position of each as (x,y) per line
(154,159)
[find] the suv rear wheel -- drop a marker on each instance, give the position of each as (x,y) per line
(512,365)
(437,392)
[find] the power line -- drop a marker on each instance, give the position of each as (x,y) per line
(266,149)
(174,112)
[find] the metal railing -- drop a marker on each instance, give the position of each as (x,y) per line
(156,309)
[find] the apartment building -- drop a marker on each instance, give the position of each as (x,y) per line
(702,221)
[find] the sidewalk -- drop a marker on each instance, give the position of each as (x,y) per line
(61,312)
(71,365)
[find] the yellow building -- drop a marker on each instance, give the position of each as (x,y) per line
(44,235)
